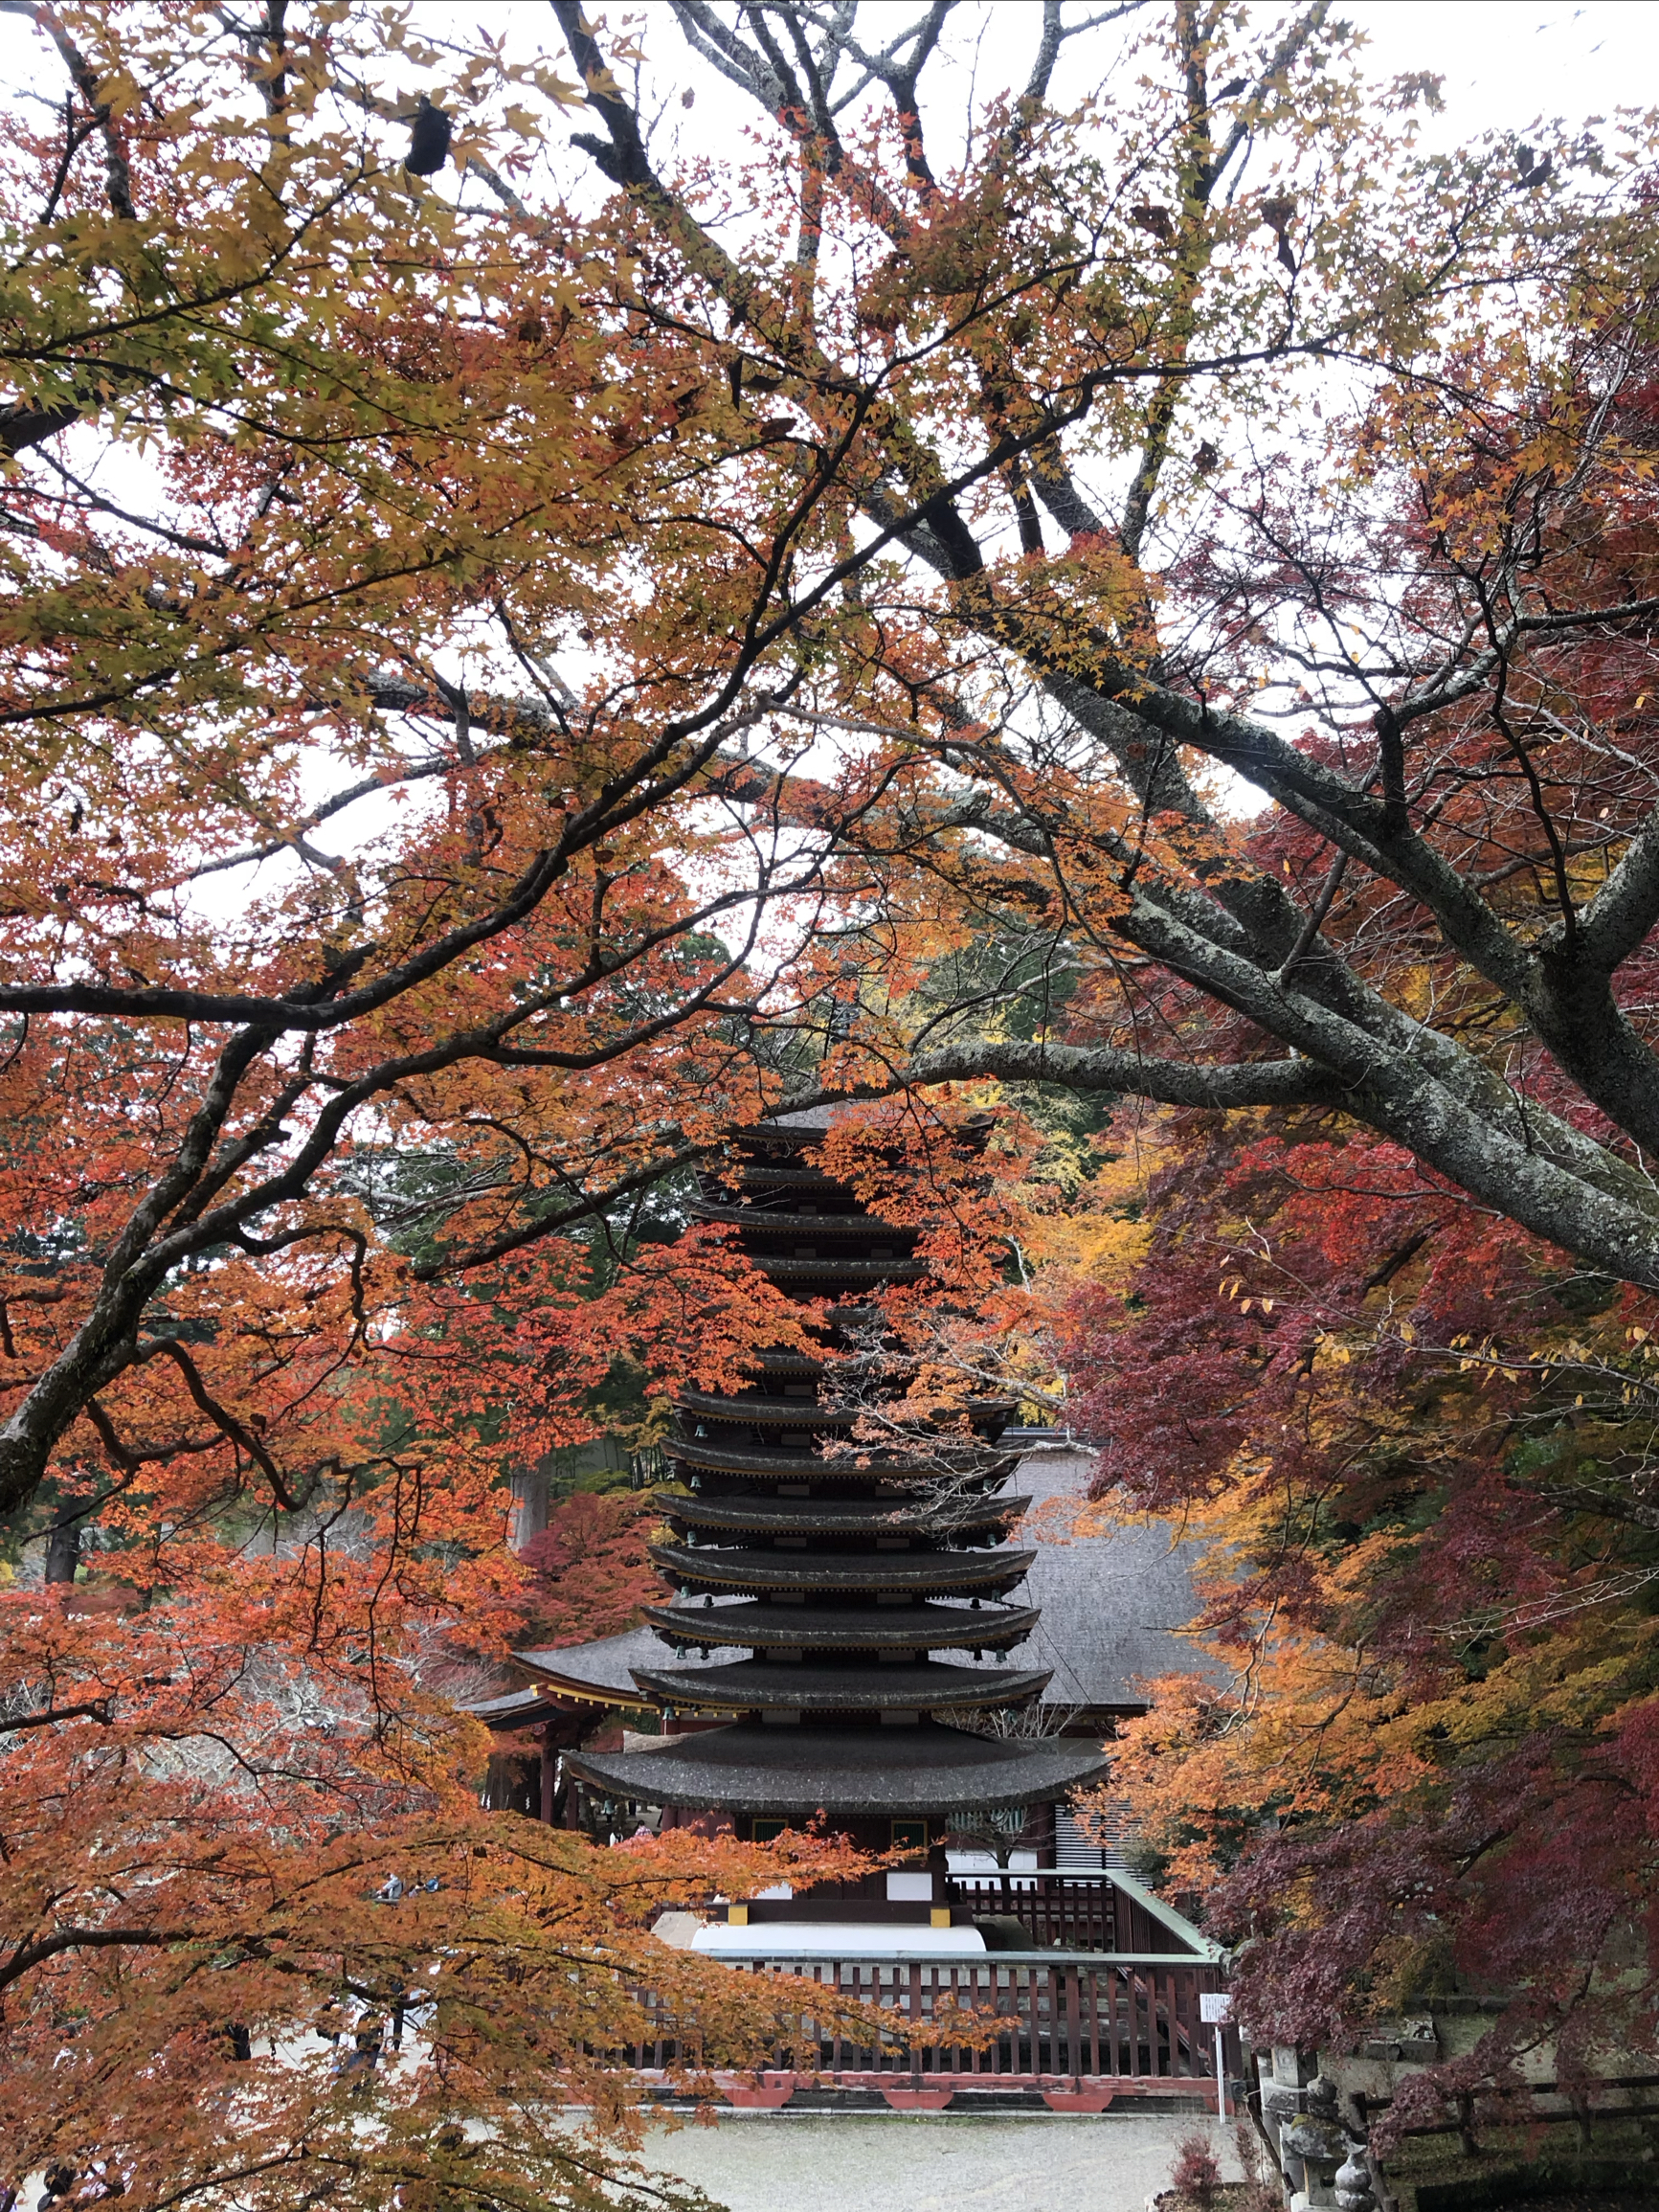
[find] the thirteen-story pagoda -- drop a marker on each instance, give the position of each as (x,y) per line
(862,1597)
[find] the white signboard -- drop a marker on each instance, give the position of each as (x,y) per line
(1215,2008)
(910,1888)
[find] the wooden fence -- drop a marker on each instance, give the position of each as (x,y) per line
(1075,2023)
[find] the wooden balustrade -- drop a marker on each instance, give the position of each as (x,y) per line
(1039,1908)
(1119,2022)
(1066,1910)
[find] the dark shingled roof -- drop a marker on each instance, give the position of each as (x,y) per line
(834,1516)
(924,1768)
(886,1468)
(604,1671)
(509,1712)
(1113,1604)
(730,1567)
(924,1627)
(925,1685)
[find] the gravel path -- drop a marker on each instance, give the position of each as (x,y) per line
(900,2162)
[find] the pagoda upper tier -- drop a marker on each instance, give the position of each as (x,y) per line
(833,1546)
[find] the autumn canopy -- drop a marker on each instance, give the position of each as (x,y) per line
(1125,596)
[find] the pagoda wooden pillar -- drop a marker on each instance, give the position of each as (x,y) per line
(549,1774)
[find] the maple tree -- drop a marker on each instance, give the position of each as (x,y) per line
(259,1936)
(1440,931)
(593,1574)
(284,429)
(1416,1449)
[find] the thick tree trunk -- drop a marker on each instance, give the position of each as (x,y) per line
(63,1551)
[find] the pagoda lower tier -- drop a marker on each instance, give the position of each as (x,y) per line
(836,1545)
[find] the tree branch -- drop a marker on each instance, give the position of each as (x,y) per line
(27,1956)
(95,1709)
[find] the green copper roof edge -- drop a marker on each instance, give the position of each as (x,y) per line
(1167,1915)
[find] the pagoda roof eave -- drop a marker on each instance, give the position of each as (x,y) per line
(795,1177)
(982,1414)
(925,1627)
(784,1223)
(728,1566)
(802,1466)
(926,1771)
(850,1273)
(797,1413)
(768,1686)
(764,1516)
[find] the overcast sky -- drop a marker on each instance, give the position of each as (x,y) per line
(1504,61)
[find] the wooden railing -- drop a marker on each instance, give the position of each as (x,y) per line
(1077,1909)
(1069,1910)
(1528,2105)
(1079,2023)
(1054,1908)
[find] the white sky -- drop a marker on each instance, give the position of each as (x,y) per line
(1504,61)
